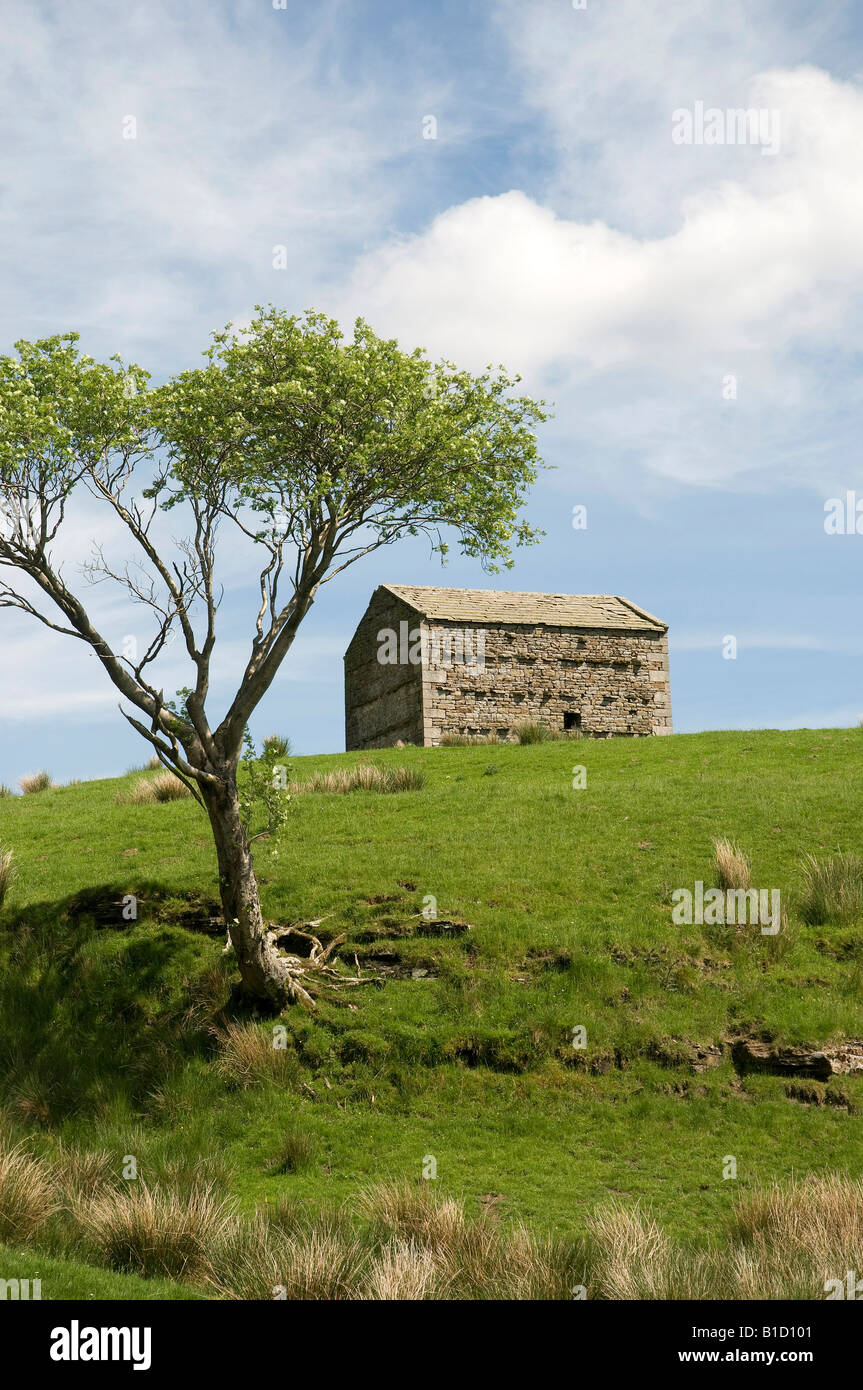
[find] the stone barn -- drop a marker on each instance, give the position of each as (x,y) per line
(427,662)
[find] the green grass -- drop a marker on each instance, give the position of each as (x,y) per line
(106,1036)
(64,1279)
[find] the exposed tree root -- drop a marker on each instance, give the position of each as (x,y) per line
(313,974)
(306,972)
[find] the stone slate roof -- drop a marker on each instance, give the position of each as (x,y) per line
(501,606)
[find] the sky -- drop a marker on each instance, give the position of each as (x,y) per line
(550,185)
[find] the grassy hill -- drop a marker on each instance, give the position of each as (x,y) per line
(114,1040)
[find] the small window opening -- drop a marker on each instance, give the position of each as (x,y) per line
(571,720)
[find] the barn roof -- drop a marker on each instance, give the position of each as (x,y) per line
(502,606)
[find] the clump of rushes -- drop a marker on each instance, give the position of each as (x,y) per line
(364,777)
(36,782)
(26,1195)
(7,872)
(294,1153)
(531,731)
(156,1233)
(732,865)
(832,889)
(164,787)
(275,746)
(247,1057)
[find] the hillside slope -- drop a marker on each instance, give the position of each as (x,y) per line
(563,910)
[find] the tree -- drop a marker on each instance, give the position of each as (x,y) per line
(319,450)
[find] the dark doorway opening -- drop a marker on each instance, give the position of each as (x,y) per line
(571,720)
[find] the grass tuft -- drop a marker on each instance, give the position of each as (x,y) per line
(7,872)
(164,787)
(26,1194)
(468,740)
(275,746)
(732,865)
(258,1260)
(364,777)
(531,731)
(464,1257)
(832,889)
(413,1211)
(155,1233)
(819,1217)
(36,782)
(632,1254)
(295,1152)
(783,1242)
(406,1270)
(79,1173)
(247,1057)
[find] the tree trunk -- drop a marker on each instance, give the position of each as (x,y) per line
(265,974)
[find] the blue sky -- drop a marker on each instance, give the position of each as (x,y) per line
(693,311)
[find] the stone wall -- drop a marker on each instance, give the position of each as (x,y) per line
(608,683)
(383,702)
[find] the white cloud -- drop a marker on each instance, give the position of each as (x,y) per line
(606,80)
(249,134)
(758,267)
(627,281)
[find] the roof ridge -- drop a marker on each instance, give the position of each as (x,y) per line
(463,588)
(515,593)
(522,606)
